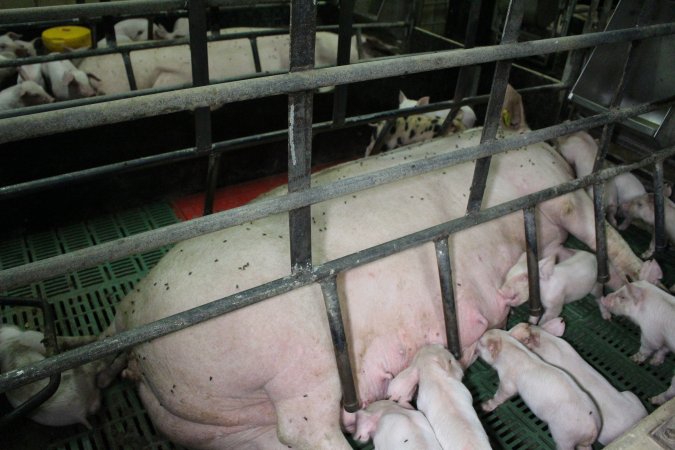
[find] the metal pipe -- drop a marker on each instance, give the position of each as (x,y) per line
(87,257)
(300,107)
(659,211)
(493,115)
(466,73)
(350,398)
(127,339)
(220,147)
(12,129)
(448,296)
(532,251)
(343,54)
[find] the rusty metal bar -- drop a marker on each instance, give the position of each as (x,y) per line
(300,107)
(331,298)
(532,251)
(514,18)
(88,257)
(448,296)
(659,211)
(128,339)
(343,54)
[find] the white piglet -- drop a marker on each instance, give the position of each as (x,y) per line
(11,42)
(394,427)
(67,81)
(551,394)
(26,93)
(31,72)
(77,395)
(442,397)
(642,208)
(653,310)
(619,410)
(565,282)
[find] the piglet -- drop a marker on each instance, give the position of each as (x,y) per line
(77,395)
(642,208)
(666,395)
(67,81)
(465,119)
(619,410)
(31,72)
(393,427)
(27,93)
(551,394)
(442,397)
(11,42)
(565,282)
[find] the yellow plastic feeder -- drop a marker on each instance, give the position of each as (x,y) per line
(58,39)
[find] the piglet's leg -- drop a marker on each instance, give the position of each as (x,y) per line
(505,391)
(646,349)
(664,396)
(659,356)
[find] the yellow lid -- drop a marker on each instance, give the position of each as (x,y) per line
(58,39)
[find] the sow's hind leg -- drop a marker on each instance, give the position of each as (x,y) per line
(574,213)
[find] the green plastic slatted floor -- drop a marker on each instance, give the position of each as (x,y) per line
(85,305)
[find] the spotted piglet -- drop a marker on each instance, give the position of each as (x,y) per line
(442,397)
(619,410)
(653,310)
(551,394)
(393,427)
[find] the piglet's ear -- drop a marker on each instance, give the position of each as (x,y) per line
(366,425)
(13,36)
(546,267)
(555,326)
(635,293)
(651,271)
(494,346)
(423,101)
(401,97)
(68,78)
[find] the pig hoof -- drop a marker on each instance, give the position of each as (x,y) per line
(638,358)
(488,406)
(646,254)
(657,400)
(656,361)
(606,315)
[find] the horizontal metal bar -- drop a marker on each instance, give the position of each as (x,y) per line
(127,339)
(150,240)
(41,124)
(27,187)
(161,43)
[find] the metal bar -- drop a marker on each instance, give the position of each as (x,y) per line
(129,71)
(127,339)
(256,56)
(466,73)
(514,18)
(166,102)
(382,135)
(303,39)
(448,296)
(659,212)
(343,54)
(150,240)
(189,153)
(200,77)
(350,399)
(532,250)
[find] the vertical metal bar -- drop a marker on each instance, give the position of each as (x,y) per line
(343,54)
(128,68)
(659,211)
(605,139)
(256,55)
(448,296)
(350,400)
(514,18)
(532,263)
(214,13)
(200,77)
(382,136)
(303,37)
(466,73)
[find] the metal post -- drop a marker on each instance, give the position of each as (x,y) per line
(448,296)
(514,17)
(200,77)
(466,73)
(659,211)
(343,54)
(532,263)
(303,37)
(350,400)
